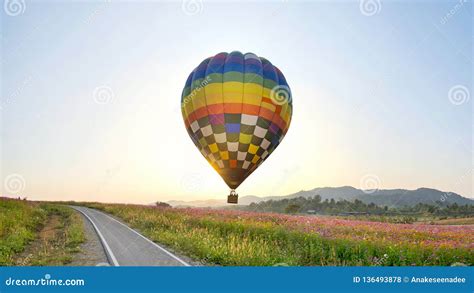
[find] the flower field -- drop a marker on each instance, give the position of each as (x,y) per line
(227,237)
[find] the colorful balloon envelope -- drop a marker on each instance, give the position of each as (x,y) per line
(236,108)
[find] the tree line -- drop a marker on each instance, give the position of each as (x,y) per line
(315,205)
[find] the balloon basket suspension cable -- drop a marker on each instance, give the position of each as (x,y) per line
(233,197)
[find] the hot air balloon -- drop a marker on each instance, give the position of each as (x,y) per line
(236,108)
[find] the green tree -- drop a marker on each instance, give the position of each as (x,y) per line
(162,204)
(292,209)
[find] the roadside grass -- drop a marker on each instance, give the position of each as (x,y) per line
(410,219)
(455,221)
(62,238)
(38,234)
(256,239)
(20,221)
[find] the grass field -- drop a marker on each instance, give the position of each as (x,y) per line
(263,239)
(455,221)
(33,233)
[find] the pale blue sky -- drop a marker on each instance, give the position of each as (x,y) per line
(370,96)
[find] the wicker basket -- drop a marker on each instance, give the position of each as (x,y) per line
(233,198)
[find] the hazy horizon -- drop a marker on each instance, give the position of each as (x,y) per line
(90,97)
(221,198)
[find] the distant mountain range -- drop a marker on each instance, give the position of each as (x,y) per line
(382,197)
